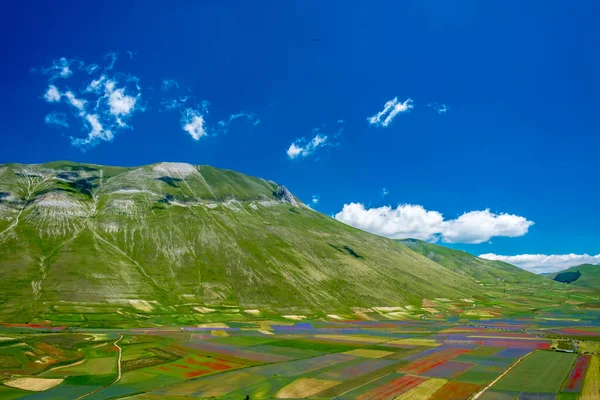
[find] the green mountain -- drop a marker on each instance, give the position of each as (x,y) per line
(585,276)
(463,263)
(172,237)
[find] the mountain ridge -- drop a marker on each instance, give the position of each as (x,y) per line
(181,236)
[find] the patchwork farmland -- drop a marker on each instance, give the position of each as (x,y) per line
(321,359)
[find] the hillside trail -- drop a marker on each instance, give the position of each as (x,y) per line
(482,391)
(119,371)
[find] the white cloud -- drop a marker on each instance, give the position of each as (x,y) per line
(539,263)
(390,110)
(120,103)
(96,84)
(303,148)
(168,84)
(52,94)
(97,133)
(56,118)
(384,192)
(315,199)
(103,107)
(192,122)
(439,108)
(74,101)
(480,226)
(59,69)
(414,221)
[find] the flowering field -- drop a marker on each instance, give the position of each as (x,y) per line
(329,358)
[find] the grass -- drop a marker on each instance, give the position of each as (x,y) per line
(540,372)
(591,386)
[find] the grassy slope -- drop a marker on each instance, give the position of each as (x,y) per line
(486,271)
(590,276)
(177,234)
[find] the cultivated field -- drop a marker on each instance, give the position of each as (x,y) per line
(282,358)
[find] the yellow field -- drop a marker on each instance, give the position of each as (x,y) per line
(33,384)
(304,387)
(591,387)
(416,342)
(369,353)
(424,390)
(589,347)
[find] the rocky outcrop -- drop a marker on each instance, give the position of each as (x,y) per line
(285,195)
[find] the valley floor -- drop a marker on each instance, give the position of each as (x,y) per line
(509,358)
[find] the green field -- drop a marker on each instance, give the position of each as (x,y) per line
(541,372)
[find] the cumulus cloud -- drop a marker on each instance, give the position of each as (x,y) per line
(168,84)
(384,192)
(390,110)
(414,221)
(56,118)
(302,148)
(52,94)
(192,122)
(539,263)
(315,199)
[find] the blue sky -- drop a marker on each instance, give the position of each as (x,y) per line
(496,107)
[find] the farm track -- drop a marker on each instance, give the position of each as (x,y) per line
(482,391)
(119,373)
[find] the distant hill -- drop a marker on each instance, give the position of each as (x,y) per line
(585,275)
(485,271)
(168,237)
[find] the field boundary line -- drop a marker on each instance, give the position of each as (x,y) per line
(482,391)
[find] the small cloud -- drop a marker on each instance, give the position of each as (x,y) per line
(168,84)
(52,94)
(302,148)
(540,263)
(131,54)
(439,108)
(390,110)
(250,117)
(97,133)
(96,85)
(172,104)
(59,69)
(74,101)
(91,68)
(56,118)
(315,199)
(120,103)
(384,192)
(112,59)
(192,122)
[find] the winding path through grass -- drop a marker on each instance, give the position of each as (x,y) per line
(119,374)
